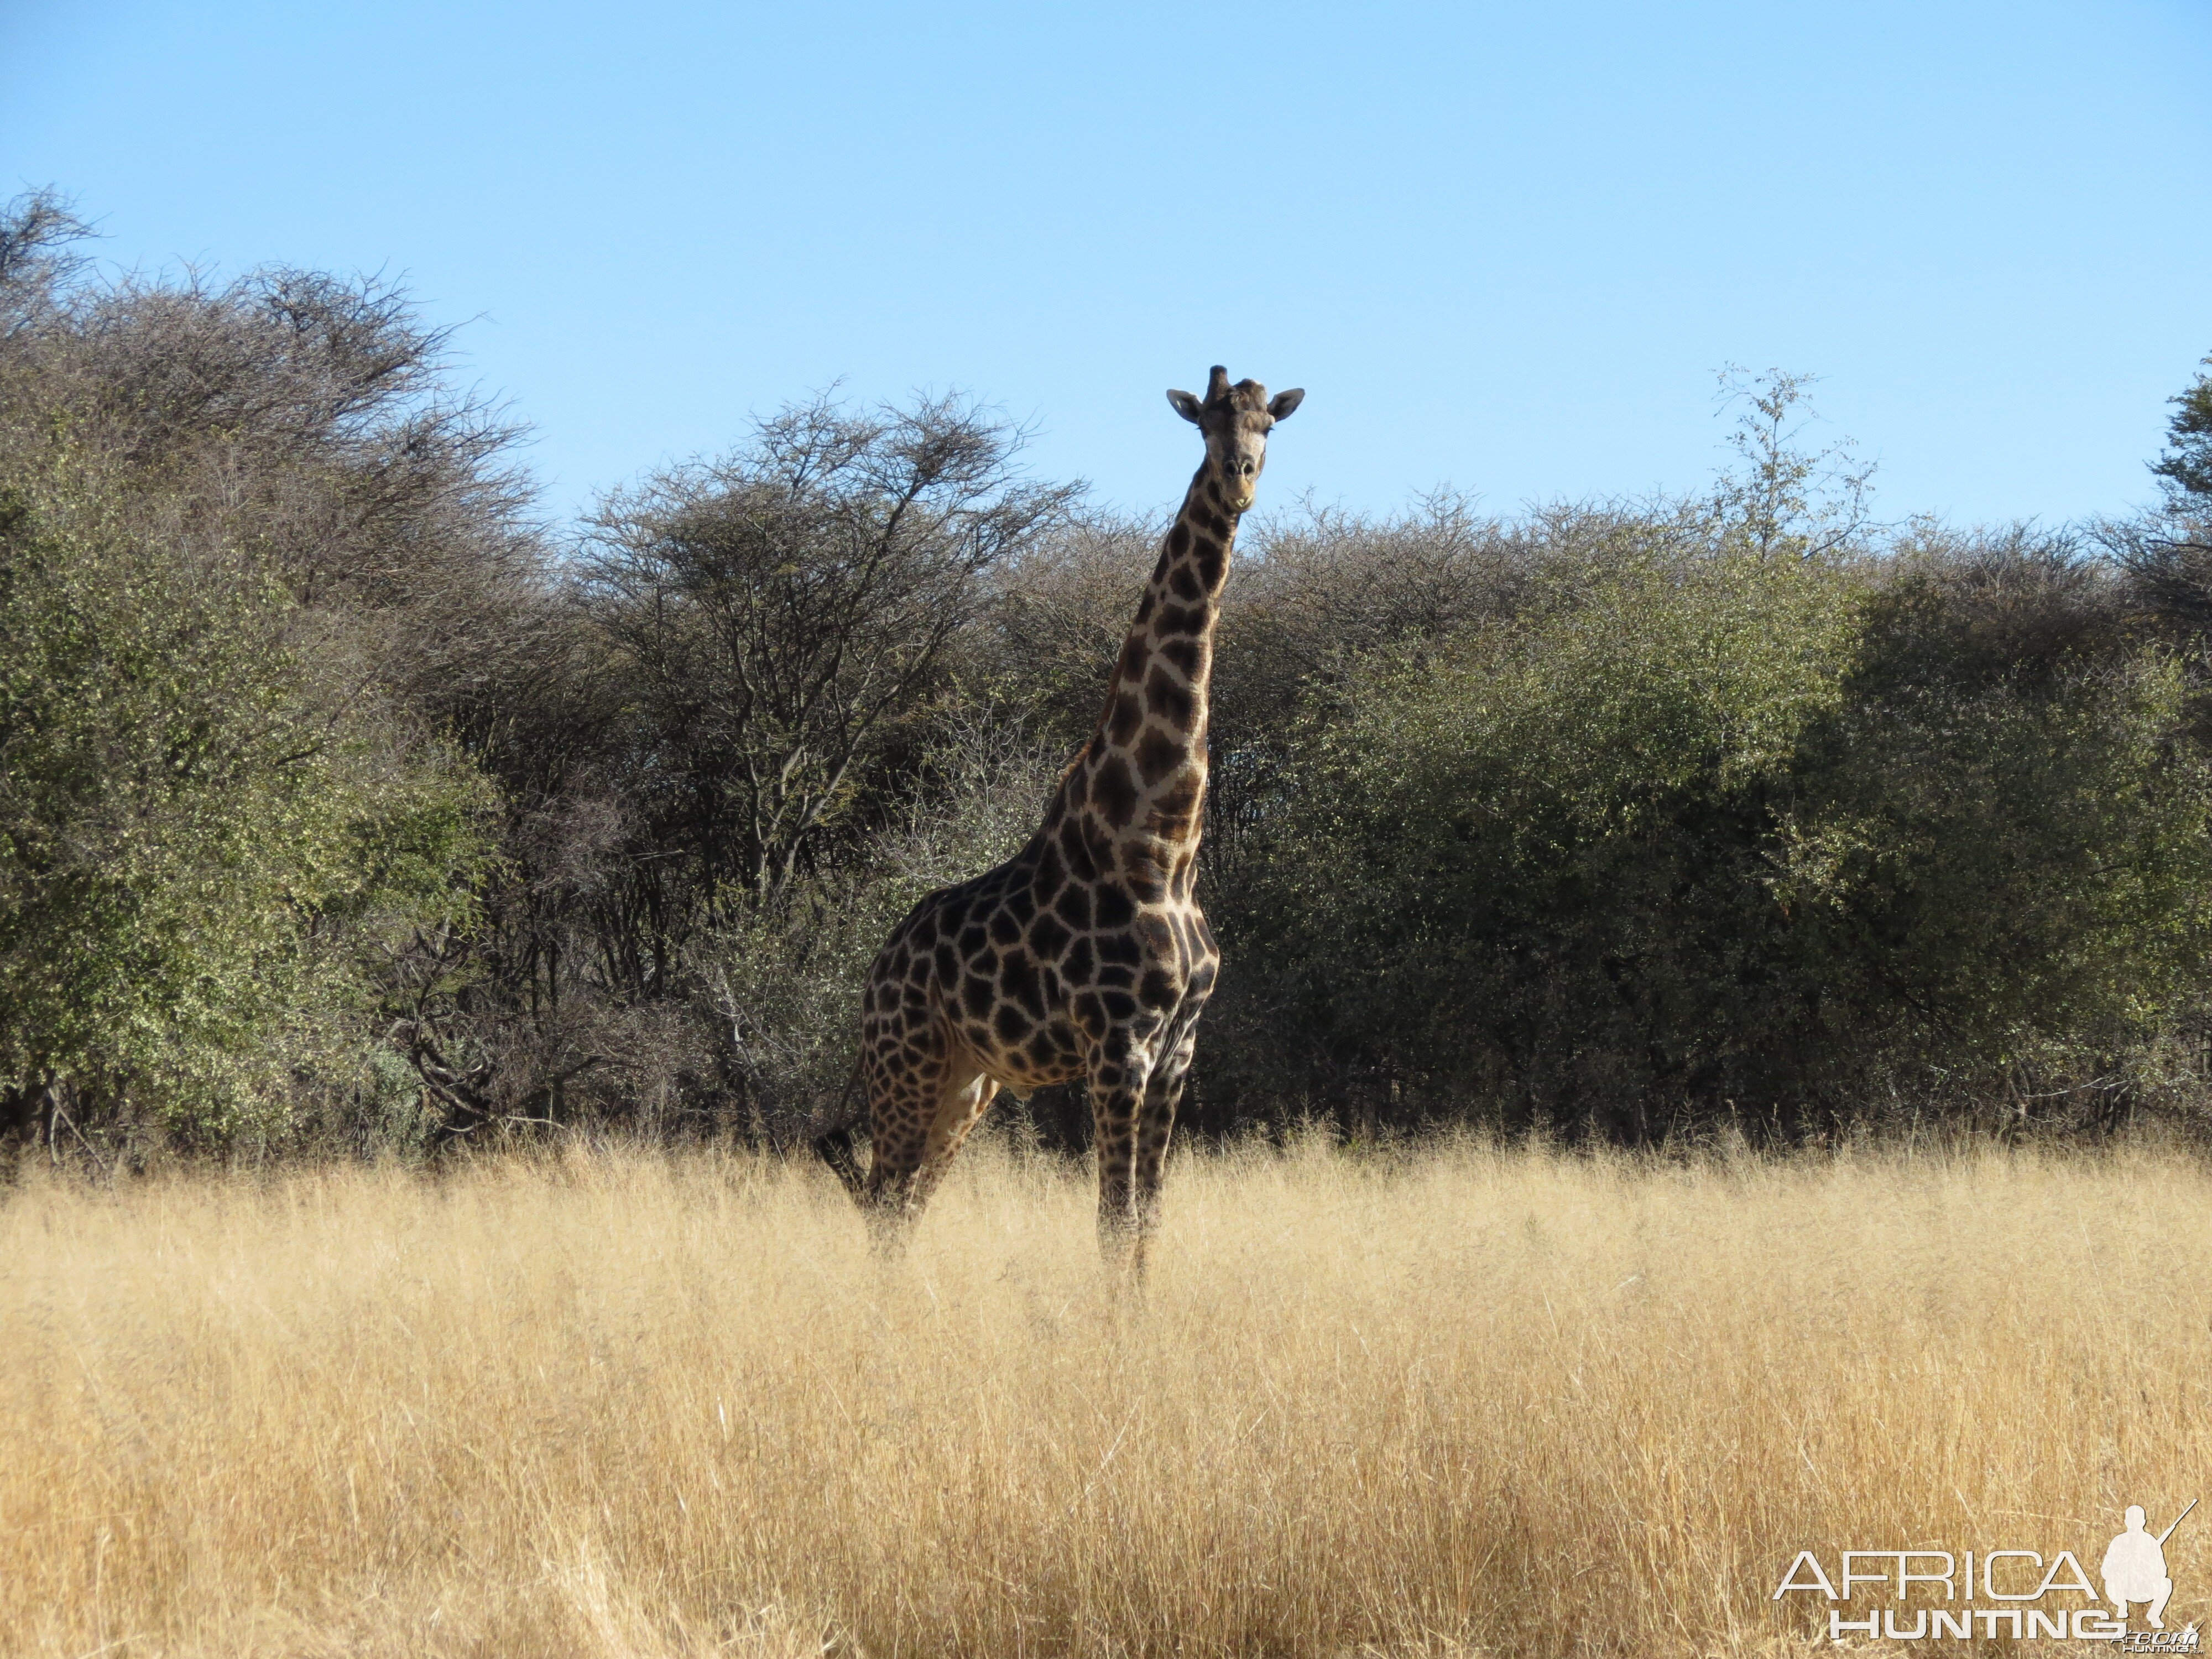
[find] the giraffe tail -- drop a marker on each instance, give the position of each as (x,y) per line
(833,1146)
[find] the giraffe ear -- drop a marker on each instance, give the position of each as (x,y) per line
(1186,405)
(1282,403)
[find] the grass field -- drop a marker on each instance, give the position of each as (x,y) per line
(1464,1400)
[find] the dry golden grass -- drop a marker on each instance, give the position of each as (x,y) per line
(613,1403)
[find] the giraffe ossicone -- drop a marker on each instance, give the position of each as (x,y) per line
(1085,955)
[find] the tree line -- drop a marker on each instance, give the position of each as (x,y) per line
(346,802)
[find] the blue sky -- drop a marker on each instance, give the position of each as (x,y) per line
(1503,247)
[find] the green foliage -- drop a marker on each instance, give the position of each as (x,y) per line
(1785,502)
(1530,849)
(779,613)
(2004,863)
(198,852)
(1706,830)
(785,979)
(2187,464)
(333,801)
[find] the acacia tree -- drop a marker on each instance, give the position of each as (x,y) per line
(2186,467)
(1786,500)
(776,615)
(2168,553)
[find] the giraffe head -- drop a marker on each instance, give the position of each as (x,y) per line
(1235,419)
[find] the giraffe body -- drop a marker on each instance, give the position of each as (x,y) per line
(1084,956)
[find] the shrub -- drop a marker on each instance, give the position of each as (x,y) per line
(199,849)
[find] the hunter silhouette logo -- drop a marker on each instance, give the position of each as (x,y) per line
(2134,1566)
(2003,1592)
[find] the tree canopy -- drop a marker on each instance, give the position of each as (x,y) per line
(344,801)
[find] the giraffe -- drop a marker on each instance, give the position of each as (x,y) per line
(1085,955)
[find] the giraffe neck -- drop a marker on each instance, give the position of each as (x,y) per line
(1144,770)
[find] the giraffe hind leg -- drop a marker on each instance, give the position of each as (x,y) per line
(919,1114)
(915,1163)
(897,1139)
(960,1108)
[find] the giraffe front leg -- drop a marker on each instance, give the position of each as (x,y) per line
(1156,1119)
(1155,1123)
(1119,1072)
